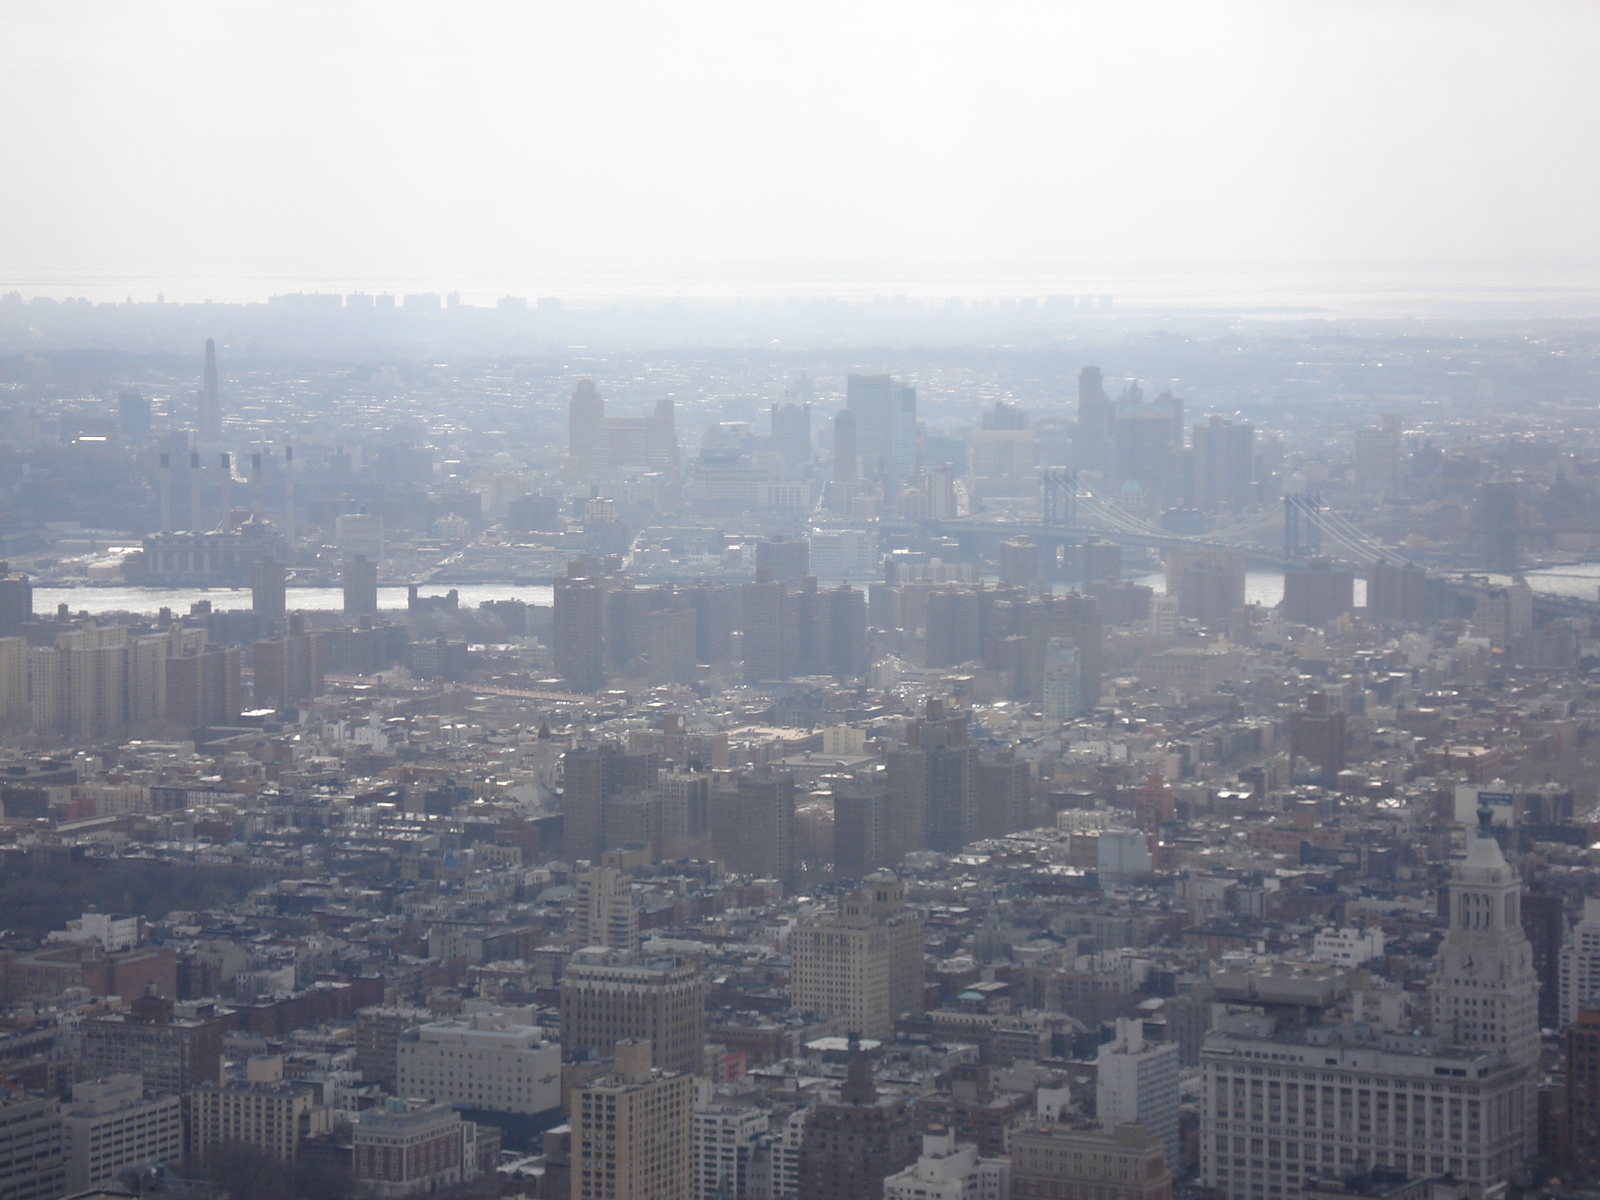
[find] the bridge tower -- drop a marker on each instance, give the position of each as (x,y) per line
(1060,496)
(1302,526)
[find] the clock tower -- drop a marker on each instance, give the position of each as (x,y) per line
(1484,992)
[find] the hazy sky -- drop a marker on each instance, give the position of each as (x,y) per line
(613,141)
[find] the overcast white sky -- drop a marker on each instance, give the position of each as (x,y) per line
(348,142)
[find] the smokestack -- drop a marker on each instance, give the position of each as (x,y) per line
(255,488)
(166,493)
(227,491)
(194,492)
(288,497)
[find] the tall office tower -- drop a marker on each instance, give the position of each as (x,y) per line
(210,409)
(174,1054)
(133,416)
(1582,1123)
(1063,696)
(860,823)
(578,628)
(1377,457)
(852,1145)
(268,589)
(671,640)
(1545,923)
(862,962)
(842,649)
(263,1111)
(1317,734)
(605,914)
(1100,562)
(846,451)
(1499,516)
(1224,464)
(1318,593)
(359,575)
(1397,593)
(771,629)
(1019,560)
(289,669)
(1049,1161)
(886,424)
(633,1130)
(378,1033)
(1209,583)
(16,600)
(203,686)
(1001,791)
(32,1151)
(109,1126)
(1095,413)
(1580,963)
(608,997)
(482,1060)
(791,431)
(586,415)
(752,824)
(1137,1081)
(789,561)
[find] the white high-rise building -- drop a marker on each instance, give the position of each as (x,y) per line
(950,1171)
(727,1138)
(1137,1080)
(109,1125)
(1580,963)
(1061,675)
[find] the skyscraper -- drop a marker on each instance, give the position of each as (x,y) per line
(1095,412)
(268,589)
(1062,693)
(791,431)
(1318,592)
(586,414)
(608,997)
(359,574)
(210,407)
(771,628)
(846,460)
(885,414)
(605,912)
(1397,593)
(578,628)
(1224,464)
(852,1145)
(862,962)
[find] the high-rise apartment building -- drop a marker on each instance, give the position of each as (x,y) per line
(1397,593)
(791,431)
(752,823)
(788,560)
(592,775)
(578,628)
(288,669)
(1050,1161)
(1001,791)
(930,784)
(860,823)
(359,576)
(948,1170)
(1137,1081)
(771,628)
(1019,560)
(411,1148)
(1224,464)
(98,681)
(862,962)
(109,1126)
(586,413)
(1318,592)
(268,589)
(203,685)
(484,1060)
(633,1130)
(359,533)
(605,913)
(608,997)
(885,414)
(1317,733)
(1582,1119)
(1580,963)
(1063,698)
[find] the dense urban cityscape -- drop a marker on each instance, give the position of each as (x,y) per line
(1026,749)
